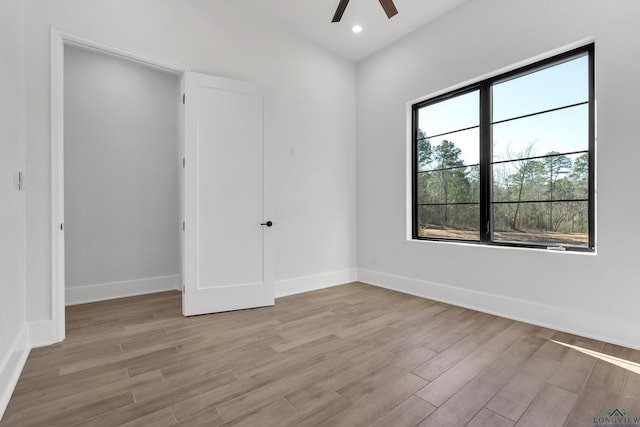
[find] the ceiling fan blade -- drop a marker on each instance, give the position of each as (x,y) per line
(340,10)
(389,8)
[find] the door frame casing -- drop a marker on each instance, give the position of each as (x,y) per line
(59,40)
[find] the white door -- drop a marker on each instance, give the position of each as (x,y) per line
(228,249)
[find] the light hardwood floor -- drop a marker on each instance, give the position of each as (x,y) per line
(352,355)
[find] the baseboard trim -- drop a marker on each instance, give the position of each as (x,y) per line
(40,333)
(12,367)
(576,322)
(113,290)
(302,284)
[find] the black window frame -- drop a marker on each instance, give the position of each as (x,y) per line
(485,130)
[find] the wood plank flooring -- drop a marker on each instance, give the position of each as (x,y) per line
(352,355)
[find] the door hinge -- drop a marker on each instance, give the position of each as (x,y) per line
(488,227)
(61,227)
(183,285)
(184,98)
(182,225)
(184,162)
(19,181)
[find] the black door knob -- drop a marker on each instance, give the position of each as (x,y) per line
(268,223)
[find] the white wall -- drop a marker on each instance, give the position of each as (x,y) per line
(122,204)
(594,295)
(315,112)
(13,327)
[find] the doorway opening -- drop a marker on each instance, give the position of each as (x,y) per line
(226,189)
(121,178)
(116,181)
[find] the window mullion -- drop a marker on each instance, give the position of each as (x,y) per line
(485,162)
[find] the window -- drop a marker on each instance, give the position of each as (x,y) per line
(510,160)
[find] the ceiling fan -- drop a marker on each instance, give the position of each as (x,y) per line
(387,5)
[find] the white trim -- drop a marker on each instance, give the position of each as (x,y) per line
(84,43)
(299,285)
(408,189)
(58,40)
(126,288)
(12,366)
(57,185)
(41,333)
(576,322)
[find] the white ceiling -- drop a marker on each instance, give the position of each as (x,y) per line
(311,19)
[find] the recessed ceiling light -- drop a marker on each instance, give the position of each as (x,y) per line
(356,29)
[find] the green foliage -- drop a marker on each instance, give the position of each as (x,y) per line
(523,186)
(537,181)
(447,181)
(424,150)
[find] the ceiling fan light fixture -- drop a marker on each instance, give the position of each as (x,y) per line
(356,29)
(388,6)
